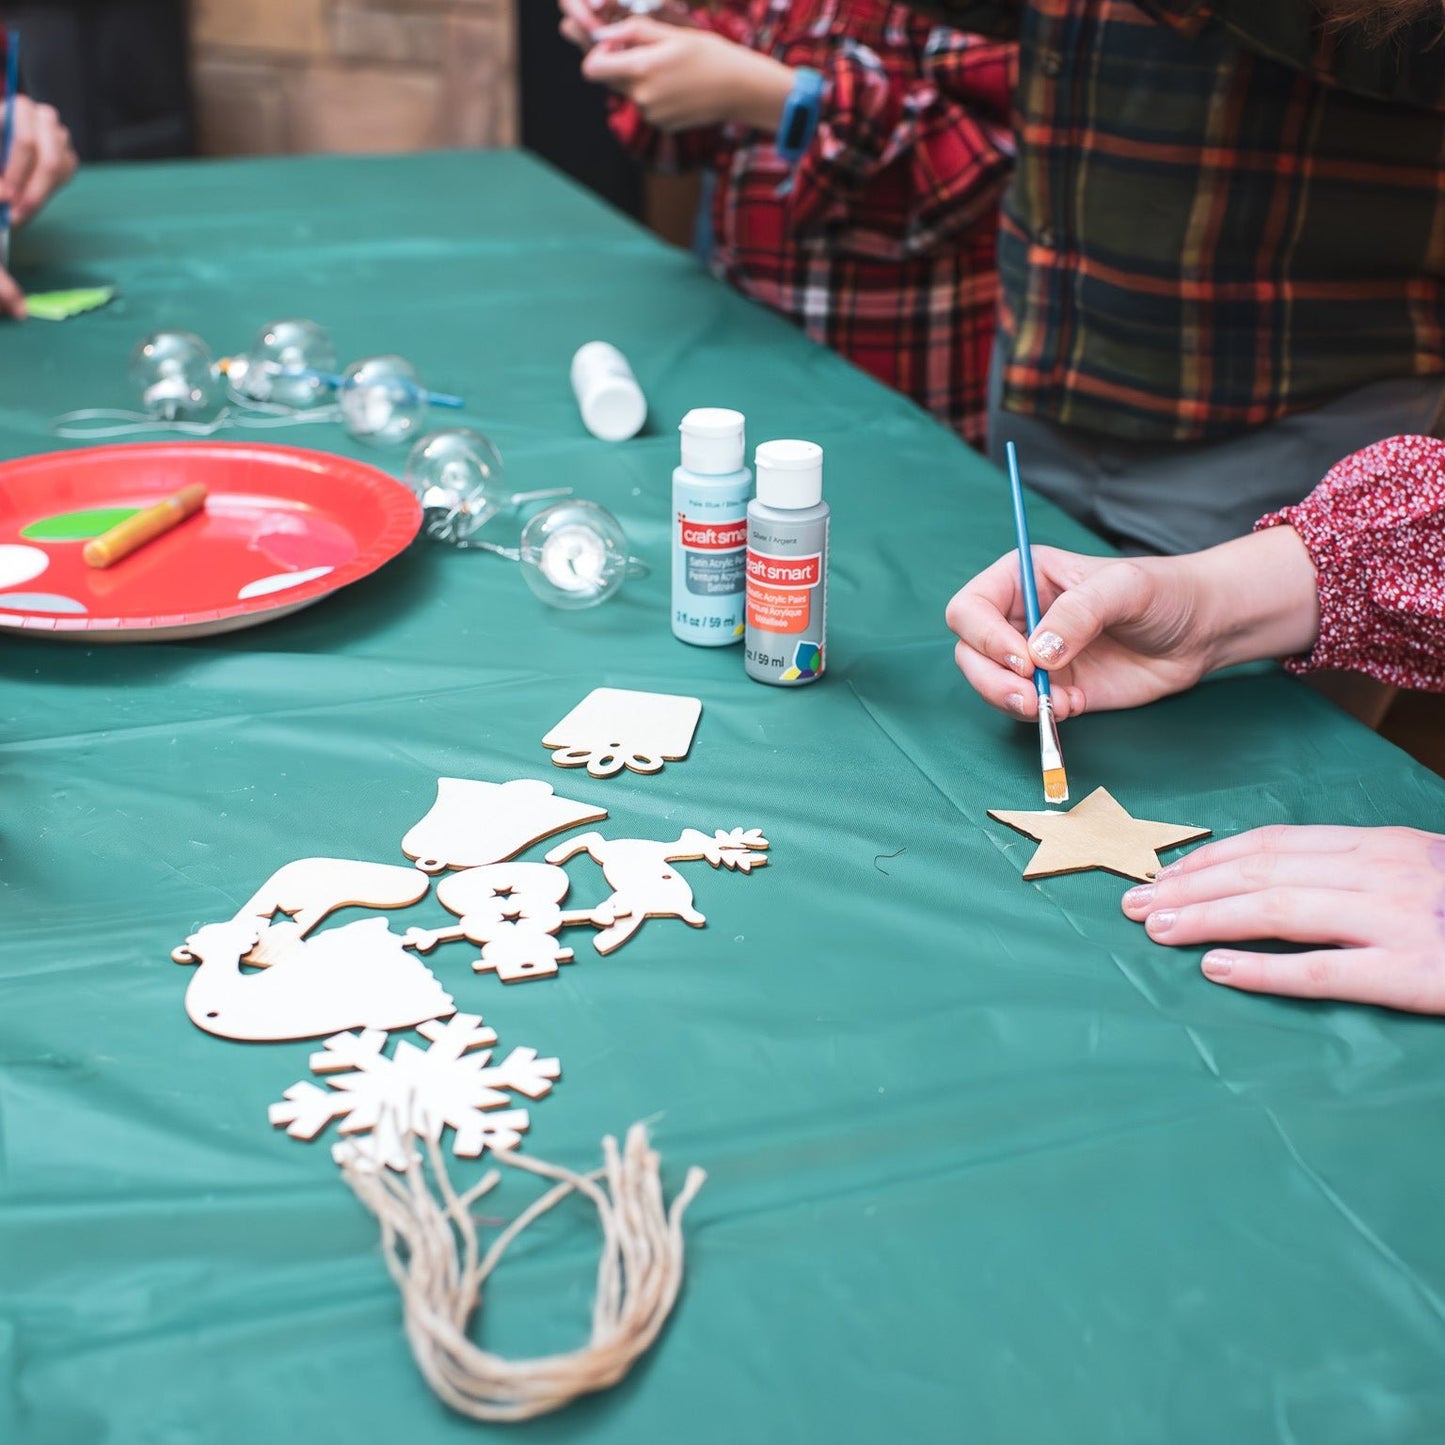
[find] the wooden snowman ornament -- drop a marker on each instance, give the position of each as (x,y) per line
(513,911)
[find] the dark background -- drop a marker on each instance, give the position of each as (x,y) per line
(117,71)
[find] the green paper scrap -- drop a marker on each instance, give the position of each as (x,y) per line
(62,305)
(77,526)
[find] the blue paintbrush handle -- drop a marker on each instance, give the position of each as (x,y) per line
(7,132)
(435,398)
(1026,559)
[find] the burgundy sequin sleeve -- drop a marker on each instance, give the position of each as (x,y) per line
(1375,530)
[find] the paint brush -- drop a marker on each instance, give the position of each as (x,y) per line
(1056,782)
(7,132)
(151,522)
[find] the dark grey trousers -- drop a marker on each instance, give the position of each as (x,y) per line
(1181,497)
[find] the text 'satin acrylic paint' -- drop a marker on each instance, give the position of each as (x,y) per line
(710,492)
(787,566)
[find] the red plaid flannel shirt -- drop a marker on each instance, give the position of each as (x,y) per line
(1223,211)
(883,249)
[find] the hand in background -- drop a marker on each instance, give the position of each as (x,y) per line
(1377,894)
(1120,633)
(12,298)
(681,79)
(582,19)
(42,160)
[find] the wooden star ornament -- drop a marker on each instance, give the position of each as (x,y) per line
(1097,833)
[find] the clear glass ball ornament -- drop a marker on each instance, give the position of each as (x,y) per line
(574,555)
(290,363)
(174,374)
(460,481)
(381,400)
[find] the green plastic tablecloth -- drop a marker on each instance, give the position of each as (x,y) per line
(985,1163)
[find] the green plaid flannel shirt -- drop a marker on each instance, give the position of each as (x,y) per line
(1221,213)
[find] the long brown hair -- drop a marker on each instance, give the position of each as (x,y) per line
(1382,17)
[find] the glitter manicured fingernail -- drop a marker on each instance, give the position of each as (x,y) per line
(1162,921)
(1018,663)
(1218,965)
(1049,646)
(1015,703)
(1139,897)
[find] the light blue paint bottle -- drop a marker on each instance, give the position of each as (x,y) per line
(710,495)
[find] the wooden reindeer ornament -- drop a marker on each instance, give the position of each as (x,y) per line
(645,886)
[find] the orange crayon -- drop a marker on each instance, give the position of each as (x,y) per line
(148,524)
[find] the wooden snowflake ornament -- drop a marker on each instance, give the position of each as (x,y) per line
(452,1084)
(1097,833)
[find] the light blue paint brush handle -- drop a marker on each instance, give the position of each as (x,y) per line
(1026,559)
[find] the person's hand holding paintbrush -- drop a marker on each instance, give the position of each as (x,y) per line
(1121,632)
(36,160)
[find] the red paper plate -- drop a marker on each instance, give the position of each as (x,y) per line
(281,528)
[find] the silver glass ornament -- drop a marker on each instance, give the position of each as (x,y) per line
(174,375)
(459,478)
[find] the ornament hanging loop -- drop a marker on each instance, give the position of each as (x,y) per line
(429,1238)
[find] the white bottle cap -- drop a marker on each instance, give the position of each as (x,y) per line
(712,441)
(790,474)
(611,402)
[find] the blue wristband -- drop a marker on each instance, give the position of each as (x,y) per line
(800,116)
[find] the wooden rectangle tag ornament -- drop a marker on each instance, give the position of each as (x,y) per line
(613,728)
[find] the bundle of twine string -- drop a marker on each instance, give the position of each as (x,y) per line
(429,1239)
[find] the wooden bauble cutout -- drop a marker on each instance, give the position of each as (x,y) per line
(356,976)
(1097,833)
(613,728)
(643,883)
(472,824)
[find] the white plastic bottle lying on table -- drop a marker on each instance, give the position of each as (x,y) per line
(787,598)
(611,402)
(710,493)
